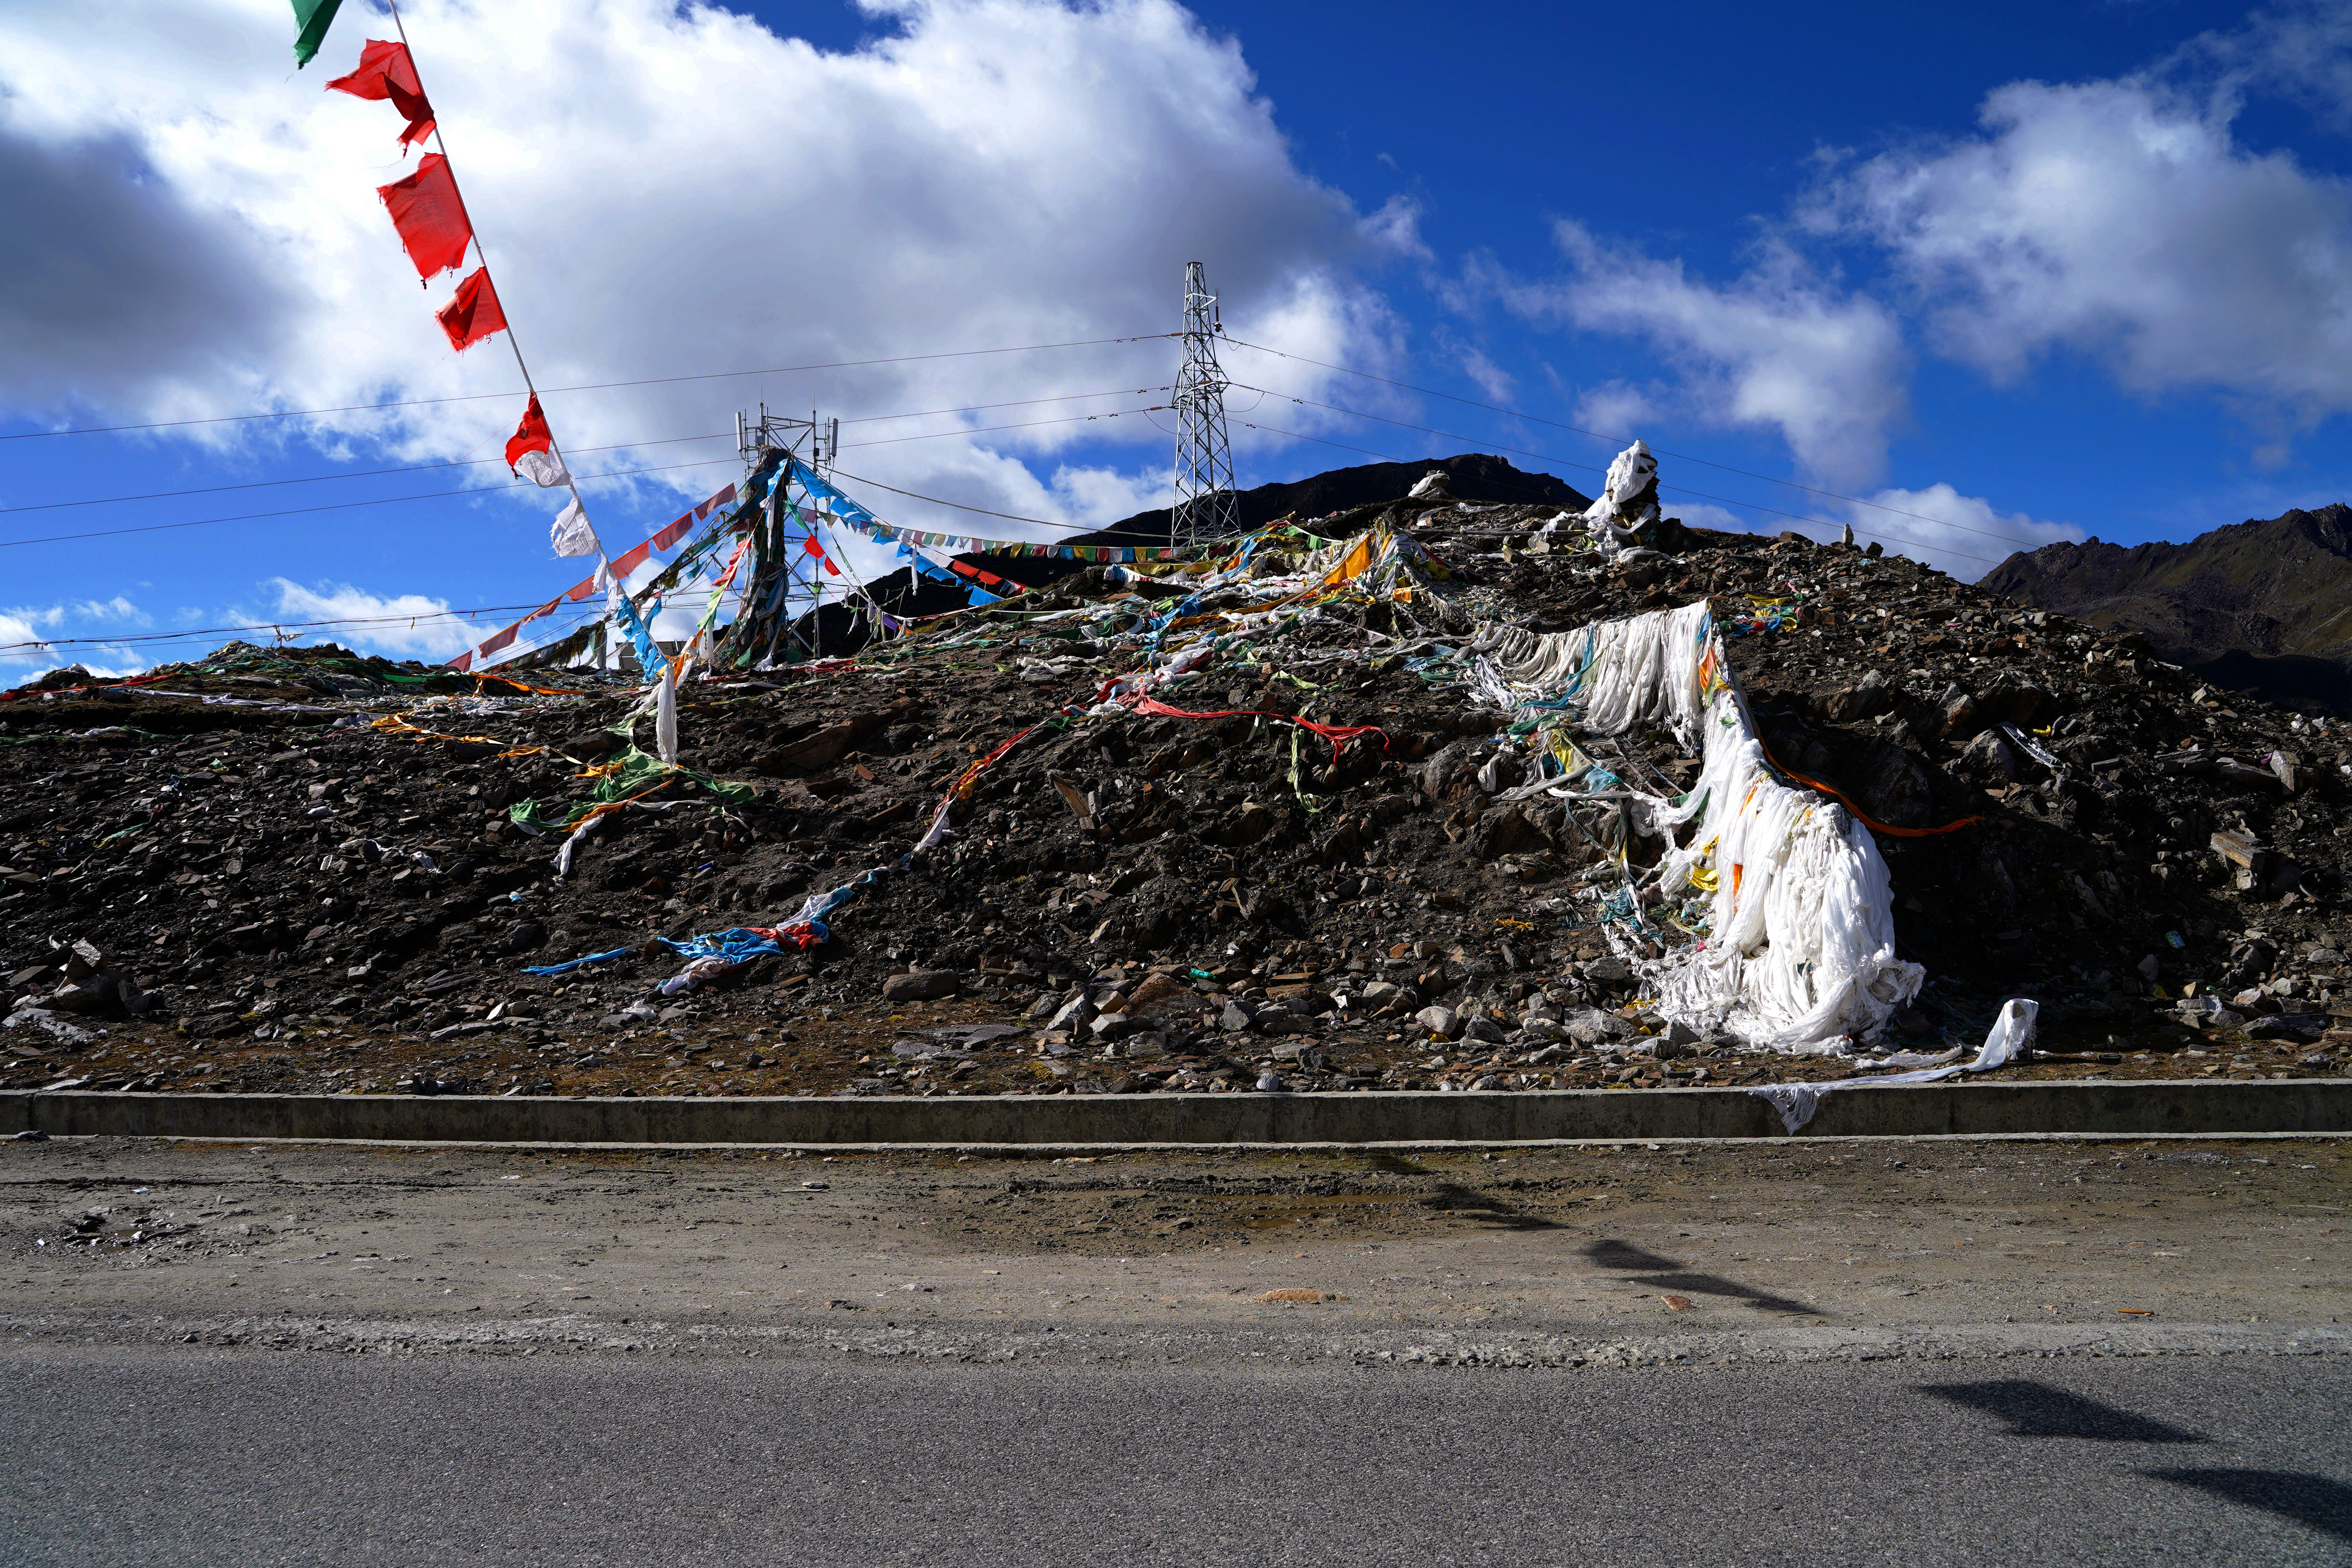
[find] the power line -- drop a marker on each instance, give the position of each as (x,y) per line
(1614,440)
(129,638)
(348,505)
(1022,403)
(584,386)
(1679,490)
(1025,425)
(1521,452)
(357,474)
(494,490)
(935,500)
(484,462)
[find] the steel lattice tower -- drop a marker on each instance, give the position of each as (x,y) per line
(1206,507)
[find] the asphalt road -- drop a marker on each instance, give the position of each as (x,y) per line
(125,1455)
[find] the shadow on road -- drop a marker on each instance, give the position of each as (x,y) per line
(1486,1207)
(2315,1501)
(2039,1410)
(1669,1274)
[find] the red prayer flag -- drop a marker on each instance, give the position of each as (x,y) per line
(386,72)
(624,564)
(532,434)
(430,217)
(472,313)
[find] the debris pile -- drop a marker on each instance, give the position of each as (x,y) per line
(1423,793)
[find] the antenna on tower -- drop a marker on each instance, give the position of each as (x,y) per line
(1206,507)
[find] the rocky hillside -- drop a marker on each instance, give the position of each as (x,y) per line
(1316,861)
(2260,605)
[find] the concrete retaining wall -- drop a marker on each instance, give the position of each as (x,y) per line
(2320,1105)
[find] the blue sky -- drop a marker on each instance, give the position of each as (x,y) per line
(2010,273)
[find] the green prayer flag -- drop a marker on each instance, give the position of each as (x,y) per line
(314,18)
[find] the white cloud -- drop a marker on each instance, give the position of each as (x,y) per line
(404,626)
(1616,409)
(1963,536)
(1781,348)
(2302,49)
(118,608)
(1098,496)
(1704,514)
(1491,378)
(30,637)
(2122,219)
(21,644)
(664,190)
(1395,226)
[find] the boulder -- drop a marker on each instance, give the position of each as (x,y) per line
(920,986)
(1439,1021)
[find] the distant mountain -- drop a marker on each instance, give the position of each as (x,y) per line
(1472,476)
(2258,606)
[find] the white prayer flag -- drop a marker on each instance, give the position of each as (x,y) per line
(571,534)
(545,469)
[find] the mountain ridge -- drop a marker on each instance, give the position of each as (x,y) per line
(2264,604)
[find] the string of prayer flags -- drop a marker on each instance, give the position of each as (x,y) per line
(429,217)
(473,314)
(649,657)
(386,72)
(671,532)
(608,574)
(311,20)
(530,450)
(429,214)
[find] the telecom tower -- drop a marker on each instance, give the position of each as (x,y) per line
(1206,507)
(781,582)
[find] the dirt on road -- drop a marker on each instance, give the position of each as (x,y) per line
(1933,1245)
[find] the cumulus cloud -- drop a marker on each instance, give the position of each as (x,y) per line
(2123,220)
(1965,536)
(402,626)
(1780,348)
(21,643)
(32,639)
(667,189)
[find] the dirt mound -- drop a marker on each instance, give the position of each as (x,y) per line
(1313,860)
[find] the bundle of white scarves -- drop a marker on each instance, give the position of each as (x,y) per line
(1798,954)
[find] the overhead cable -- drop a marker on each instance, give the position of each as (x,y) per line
(1598,436)
(482,462)
(348,505)
(582,386)
(1679,490)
